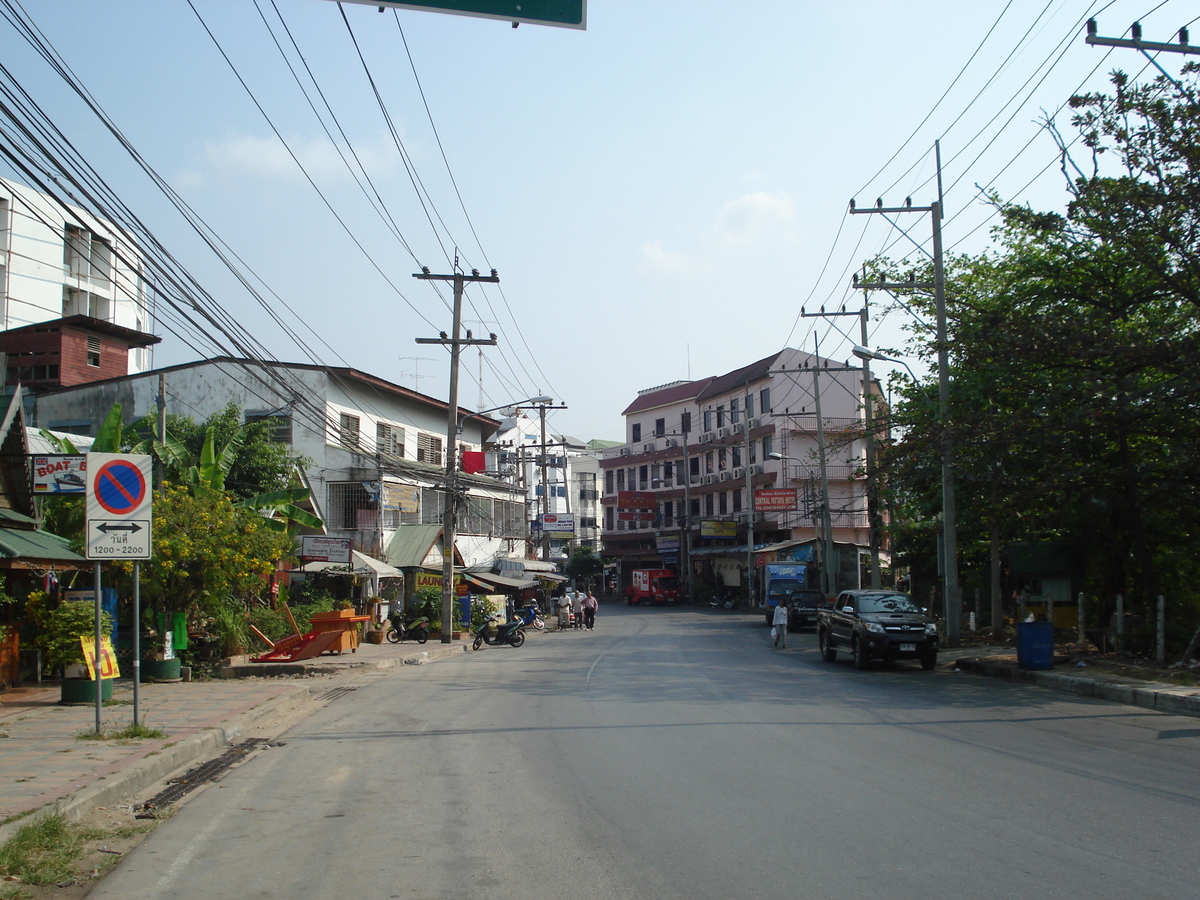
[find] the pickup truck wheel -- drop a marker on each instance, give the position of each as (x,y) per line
(928,661)
(860,654)
(827,653)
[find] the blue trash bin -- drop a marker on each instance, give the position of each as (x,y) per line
(1035,645)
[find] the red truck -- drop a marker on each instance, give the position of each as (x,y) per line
(653,586)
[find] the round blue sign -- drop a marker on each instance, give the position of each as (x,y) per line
(120,487)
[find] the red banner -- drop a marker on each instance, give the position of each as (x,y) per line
(635,499)
(774,499)
(474,462)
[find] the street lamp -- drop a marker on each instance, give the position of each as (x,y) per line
(949,518)
(450,516)
(866,353)
(827,576)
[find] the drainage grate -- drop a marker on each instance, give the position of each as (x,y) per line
(206,772)
(334,693)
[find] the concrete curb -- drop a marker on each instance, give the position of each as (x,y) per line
(138,776)
(1167,698)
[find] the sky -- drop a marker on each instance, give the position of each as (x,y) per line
(661,193)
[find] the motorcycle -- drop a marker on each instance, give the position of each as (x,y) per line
(725,598)
(403,627)
(531,615)
(493,633)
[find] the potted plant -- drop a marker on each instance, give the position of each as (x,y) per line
(60,630)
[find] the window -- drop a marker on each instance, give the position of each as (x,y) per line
(655,475)
(348,426)
(753,448)
(660,427)
(643,475)
(737,500)
(637,432)
(708,504)
(720,415)
(766,447)
(93,352)
(733,411)
(389,439)
(708,414)
(723,503)
(279,424)
(737,457)
(668,514)
(609,512)
(722,459)
(429,449)
(685,423)
(749,406)
(620,479)
(350,507)
(708,461)
(764,400)
(694,464)
(668,472)
(608,481)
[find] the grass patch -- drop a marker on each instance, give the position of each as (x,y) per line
(134,731)
(44,852)
(116,703)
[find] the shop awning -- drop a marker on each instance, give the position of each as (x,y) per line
(35,549)
(503,582)
(362,565)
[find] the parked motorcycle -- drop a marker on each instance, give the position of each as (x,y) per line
(415,627)
(493,633)
(725,598)
(531,615)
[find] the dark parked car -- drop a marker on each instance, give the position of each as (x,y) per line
(877,624)
(802,608)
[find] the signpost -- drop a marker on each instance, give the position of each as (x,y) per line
(319,548)
(118,527)
(118,506)
(561,13)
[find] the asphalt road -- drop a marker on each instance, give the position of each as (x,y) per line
(673,754)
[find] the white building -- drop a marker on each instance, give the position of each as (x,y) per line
(376,449)
(60,261)
(677,494)
(570,475)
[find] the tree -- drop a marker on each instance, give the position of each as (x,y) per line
(585,565)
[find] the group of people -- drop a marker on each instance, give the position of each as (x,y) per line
(579,604)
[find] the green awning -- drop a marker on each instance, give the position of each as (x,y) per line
(36,546)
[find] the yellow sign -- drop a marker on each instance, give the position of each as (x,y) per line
(717,528)
(108,659)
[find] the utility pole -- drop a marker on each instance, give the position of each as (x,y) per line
(827,570)
(874,538)
(751,560)
(450,489)
(685,520)
(545,503)
(951,597)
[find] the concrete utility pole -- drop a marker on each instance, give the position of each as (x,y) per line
(874,537)
(545,504)
(827,570)
(450,489)
(751,560)
(951,596)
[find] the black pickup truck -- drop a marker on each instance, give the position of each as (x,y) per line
(877,624)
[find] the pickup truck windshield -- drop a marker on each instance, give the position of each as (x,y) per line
(667,582)
(895,603)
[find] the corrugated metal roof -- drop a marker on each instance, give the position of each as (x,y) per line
(668,395)
(410,545)
(36,546)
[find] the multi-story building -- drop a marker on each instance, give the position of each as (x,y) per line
(61,262)
(678,493)
(571,478)
(375,450)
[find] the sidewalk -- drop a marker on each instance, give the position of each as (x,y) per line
(43,763)
(1001,662)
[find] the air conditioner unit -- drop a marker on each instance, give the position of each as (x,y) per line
(671,442)
(753,423)
(706,437)
(709,479)
(624,451)
(723,432)
(739,473)
(647,448)
(756,470)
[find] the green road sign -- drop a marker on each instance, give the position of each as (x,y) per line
(563,13)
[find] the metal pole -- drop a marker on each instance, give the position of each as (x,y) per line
(751,562)
(1120,622)
(96,667)
(1161,648)
(685,520)
(545,489)
(1082,638)
(450,496)
(137,639)
(873,536)
(829,576)
(951,598)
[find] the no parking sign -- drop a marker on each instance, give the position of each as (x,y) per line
(118,506)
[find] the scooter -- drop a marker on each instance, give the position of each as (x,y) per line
(725,598)
(531,615)
(493,633)
(403,627)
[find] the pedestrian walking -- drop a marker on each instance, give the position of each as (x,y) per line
(577,608)
(779,621)
(590,605)
(564,611)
